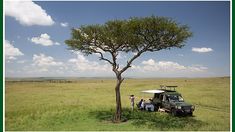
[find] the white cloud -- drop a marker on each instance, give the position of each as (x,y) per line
(149,62)
(42,60)
(11,52)
(44,39)
(28,13)
(166,66)
(82,64)
(197,68)
(57,43)
(42,63)
(44,68)
(64,24)
(202,50)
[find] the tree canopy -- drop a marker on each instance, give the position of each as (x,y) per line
(136,34)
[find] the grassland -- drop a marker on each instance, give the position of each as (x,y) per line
(87,104)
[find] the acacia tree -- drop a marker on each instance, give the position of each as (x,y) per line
(137,35)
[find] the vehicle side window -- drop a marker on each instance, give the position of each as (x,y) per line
(167,98)
(156,95)
(161,97)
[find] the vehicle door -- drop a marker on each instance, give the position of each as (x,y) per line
(156,99)
(165,102)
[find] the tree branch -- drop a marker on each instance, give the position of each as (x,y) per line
(132,59)
(115,65)
(102,58)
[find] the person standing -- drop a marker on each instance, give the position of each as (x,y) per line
(139,104)
(132,98)
(142,105)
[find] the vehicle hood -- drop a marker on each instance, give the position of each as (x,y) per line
(181,104)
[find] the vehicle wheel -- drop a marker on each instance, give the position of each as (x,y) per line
(191,114)
(173,112)
(156,107)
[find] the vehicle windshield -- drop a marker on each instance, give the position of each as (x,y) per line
(176,98)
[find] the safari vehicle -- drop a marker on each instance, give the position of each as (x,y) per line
(170,101)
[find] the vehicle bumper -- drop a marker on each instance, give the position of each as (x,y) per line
(184,112)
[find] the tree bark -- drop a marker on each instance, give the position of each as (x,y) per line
(118,113)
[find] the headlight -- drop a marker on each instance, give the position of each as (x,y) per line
(178,107)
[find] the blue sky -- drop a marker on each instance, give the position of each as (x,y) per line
(35,33)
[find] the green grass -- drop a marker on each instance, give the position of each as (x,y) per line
(89,104)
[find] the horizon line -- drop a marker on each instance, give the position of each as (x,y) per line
(115,77)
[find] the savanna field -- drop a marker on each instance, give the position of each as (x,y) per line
(88,104)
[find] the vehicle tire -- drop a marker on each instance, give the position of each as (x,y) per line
(191,114)
(173,112)
(156,107)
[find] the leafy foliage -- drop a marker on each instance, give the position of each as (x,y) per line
(136,35)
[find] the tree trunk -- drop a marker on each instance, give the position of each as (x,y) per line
(117,117)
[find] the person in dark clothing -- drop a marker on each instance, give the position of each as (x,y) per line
(139,104)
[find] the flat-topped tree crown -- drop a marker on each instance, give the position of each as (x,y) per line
(137,34)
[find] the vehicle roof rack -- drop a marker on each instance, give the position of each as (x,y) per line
(168,88)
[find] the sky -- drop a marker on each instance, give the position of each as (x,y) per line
(35,33)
